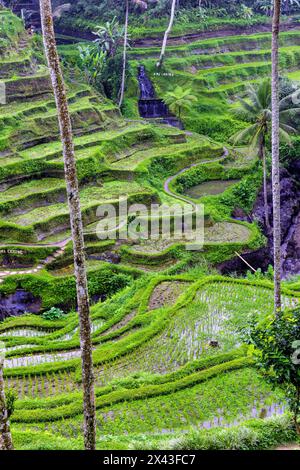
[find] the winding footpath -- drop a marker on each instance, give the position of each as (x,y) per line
(172,178)
(61,246)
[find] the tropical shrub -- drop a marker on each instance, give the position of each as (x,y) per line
(10,401)
(179,100)
(93,62)
(251,435)
(53,314)
(102,60)
(260,275)
(276,346)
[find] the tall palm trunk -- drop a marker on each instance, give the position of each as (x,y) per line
(168,30)
(262,154)
(275,157)
(124,54)
(75,220)
(5,434)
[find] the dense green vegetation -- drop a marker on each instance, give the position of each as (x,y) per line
(150,18)
(171,367)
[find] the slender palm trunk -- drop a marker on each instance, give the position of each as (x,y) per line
(75,220)
(5,434)
(262,153)
(124,54)
(296,422)
(275,157)
(168,30)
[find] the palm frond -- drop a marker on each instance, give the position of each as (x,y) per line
(289,111)
(245,135)
(248,108)
(290,100)
(252,94)
(287,128)
(285,136)
(264,93)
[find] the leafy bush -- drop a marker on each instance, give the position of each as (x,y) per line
(259,275)
(102,60)
(10,401)
(134,380)
(244,193)
(252,435)
(276,340)
(53,314)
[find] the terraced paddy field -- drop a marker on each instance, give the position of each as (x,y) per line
(210,187)
(166,329)
(115,158)
(216,70)
(152,352)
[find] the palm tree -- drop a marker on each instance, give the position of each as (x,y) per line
(124,53)
(275,157)
(5,434)
(179,99)
(288,5)
(143,6)
(75,221)
(166,35)
(257,109)
(266,7)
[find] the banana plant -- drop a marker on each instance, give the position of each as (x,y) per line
(109,37)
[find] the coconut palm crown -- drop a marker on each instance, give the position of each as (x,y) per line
(256,109)
(179,99)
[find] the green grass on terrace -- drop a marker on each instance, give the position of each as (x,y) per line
(217,399)
(218,307)
(194,144)
(223,44)
(13,109)
(80,104)
(33,186)
(220,397)
(11,28)
(217,311)
(289,56)
(156,372)
(90,195)
(53,148)
(219,75)
(42,71)
(294,75)
(155,28)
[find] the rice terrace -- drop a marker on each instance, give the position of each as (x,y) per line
(150,225)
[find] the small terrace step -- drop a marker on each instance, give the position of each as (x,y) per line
(24,88)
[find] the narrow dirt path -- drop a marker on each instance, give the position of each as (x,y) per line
(61,246)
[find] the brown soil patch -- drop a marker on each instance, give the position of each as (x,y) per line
(166,293)
(121,323)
